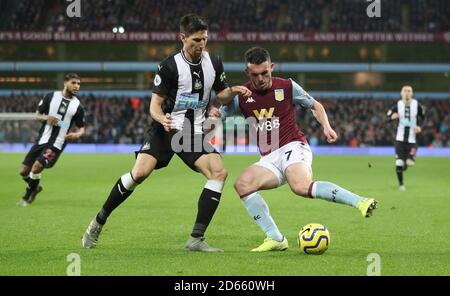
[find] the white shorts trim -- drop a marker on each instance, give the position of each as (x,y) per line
(279,160)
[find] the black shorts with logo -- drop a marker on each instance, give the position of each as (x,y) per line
(163,145)
(404,150)
(46,154)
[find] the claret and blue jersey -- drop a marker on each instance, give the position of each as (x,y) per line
(272,109)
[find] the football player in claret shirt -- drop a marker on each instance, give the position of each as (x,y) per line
(286,157)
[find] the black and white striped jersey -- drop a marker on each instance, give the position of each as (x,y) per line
(187,87)
(68,111)
(410,116)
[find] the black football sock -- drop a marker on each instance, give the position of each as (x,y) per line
(207,205)
(399,170)
(34,180)
(119,193)
(26,178)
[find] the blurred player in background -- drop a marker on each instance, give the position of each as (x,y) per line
(410,115)
(270,109)
(181,94)
(57,111)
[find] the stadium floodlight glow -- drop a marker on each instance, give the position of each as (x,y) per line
(121,30)
(114,30)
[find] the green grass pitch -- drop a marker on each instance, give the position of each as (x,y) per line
(145,236)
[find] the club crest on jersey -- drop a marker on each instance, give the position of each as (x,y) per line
(279,95)
(198,85)
(62,110)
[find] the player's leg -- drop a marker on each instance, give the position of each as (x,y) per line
(296,165)
(299,177)
(400,164)
(211,166)
(257,177)
(47,157)
(411,159)
(25,173)
(122,189)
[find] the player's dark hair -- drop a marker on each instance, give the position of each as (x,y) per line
(257,55)
(192,23)
(71,76)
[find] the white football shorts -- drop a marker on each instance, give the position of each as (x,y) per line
(278,160)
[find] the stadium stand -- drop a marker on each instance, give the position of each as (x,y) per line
(231,15)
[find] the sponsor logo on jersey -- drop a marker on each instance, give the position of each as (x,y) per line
(264,113)
(146,146)
(279,94)
(189,101)
(222,77)
(250,100)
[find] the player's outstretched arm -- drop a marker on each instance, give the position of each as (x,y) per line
(321,115)
(226,95)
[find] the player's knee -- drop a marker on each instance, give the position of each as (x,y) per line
(410,162)
(140,174)
(37,167)
(220,174)
(301,189)
(244,186)
(399,162)
(24,171)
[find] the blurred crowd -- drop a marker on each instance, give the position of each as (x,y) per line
(358,121)
(363,122)
(230,15)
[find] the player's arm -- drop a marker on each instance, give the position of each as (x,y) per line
(224,92)
(162,84)
(78,133)
(157,113)
(301,97)
(43,110)
(79,122)
(392,113)
(226,95)
(420,119)
(321,115)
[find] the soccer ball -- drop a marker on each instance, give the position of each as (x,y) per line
(314,239)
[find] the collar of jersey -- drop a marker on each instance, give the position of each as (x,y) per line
(187,61)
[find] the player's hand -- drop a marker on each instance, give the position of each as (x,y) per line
(167,123)
(417,129)
(394,116)
(214,112)
(241,90)
(71,136)
(330,134)
(52,120)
